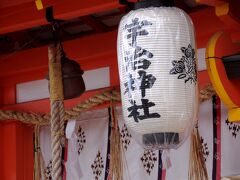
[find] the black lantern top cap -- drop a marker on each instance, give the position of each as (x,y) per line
(148,3)
(154,3)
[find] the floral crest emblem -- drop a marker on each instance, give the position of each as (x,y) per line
(186,67)
(205,149)
(81,139)
(48,171)
(148,160)
(98,166)
(234,128)
(125,137)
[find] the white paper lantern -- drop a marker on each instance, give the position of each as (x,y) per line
(158,75)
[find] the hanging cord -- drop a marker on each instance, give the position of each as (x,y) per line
(55,53)
(61,53)
(37,162)
(38,158)
(57,108)
(116,151)
(197,165)
(57,84)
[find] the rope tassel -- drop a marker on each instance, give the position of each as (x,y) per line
(116,151)
(197,166)
(57,108)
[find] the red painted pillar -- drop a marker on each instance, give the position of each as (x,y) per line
(8,151)
(16,143)
(16,152)
(8,94)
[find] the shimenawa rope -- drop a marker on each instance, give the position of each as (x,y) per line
(110,95)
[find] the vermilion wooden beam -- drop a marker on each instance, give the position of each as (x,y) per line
(206,23)
(9,94)
(90,51)
(94,23)
(236,37)
(229,13)
(91,48)
(1,97)
(211,2)
(14,3)
(9,3)
(226,10)
(26,15)
(43,106)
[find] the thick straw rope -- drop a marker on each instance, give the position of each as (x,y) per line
(56,142)
(61,116)
(57,108)
(37,161)
(206,93)
(111,95)
(197,167)
(116,149)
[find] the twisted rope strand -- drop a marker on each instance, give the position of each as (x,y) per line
(56,142)
(206,93)
(57,108)
(61,117)
(96,100)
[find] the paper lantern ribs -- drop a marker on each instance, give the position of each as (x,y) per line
(223,62)
(158,74)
